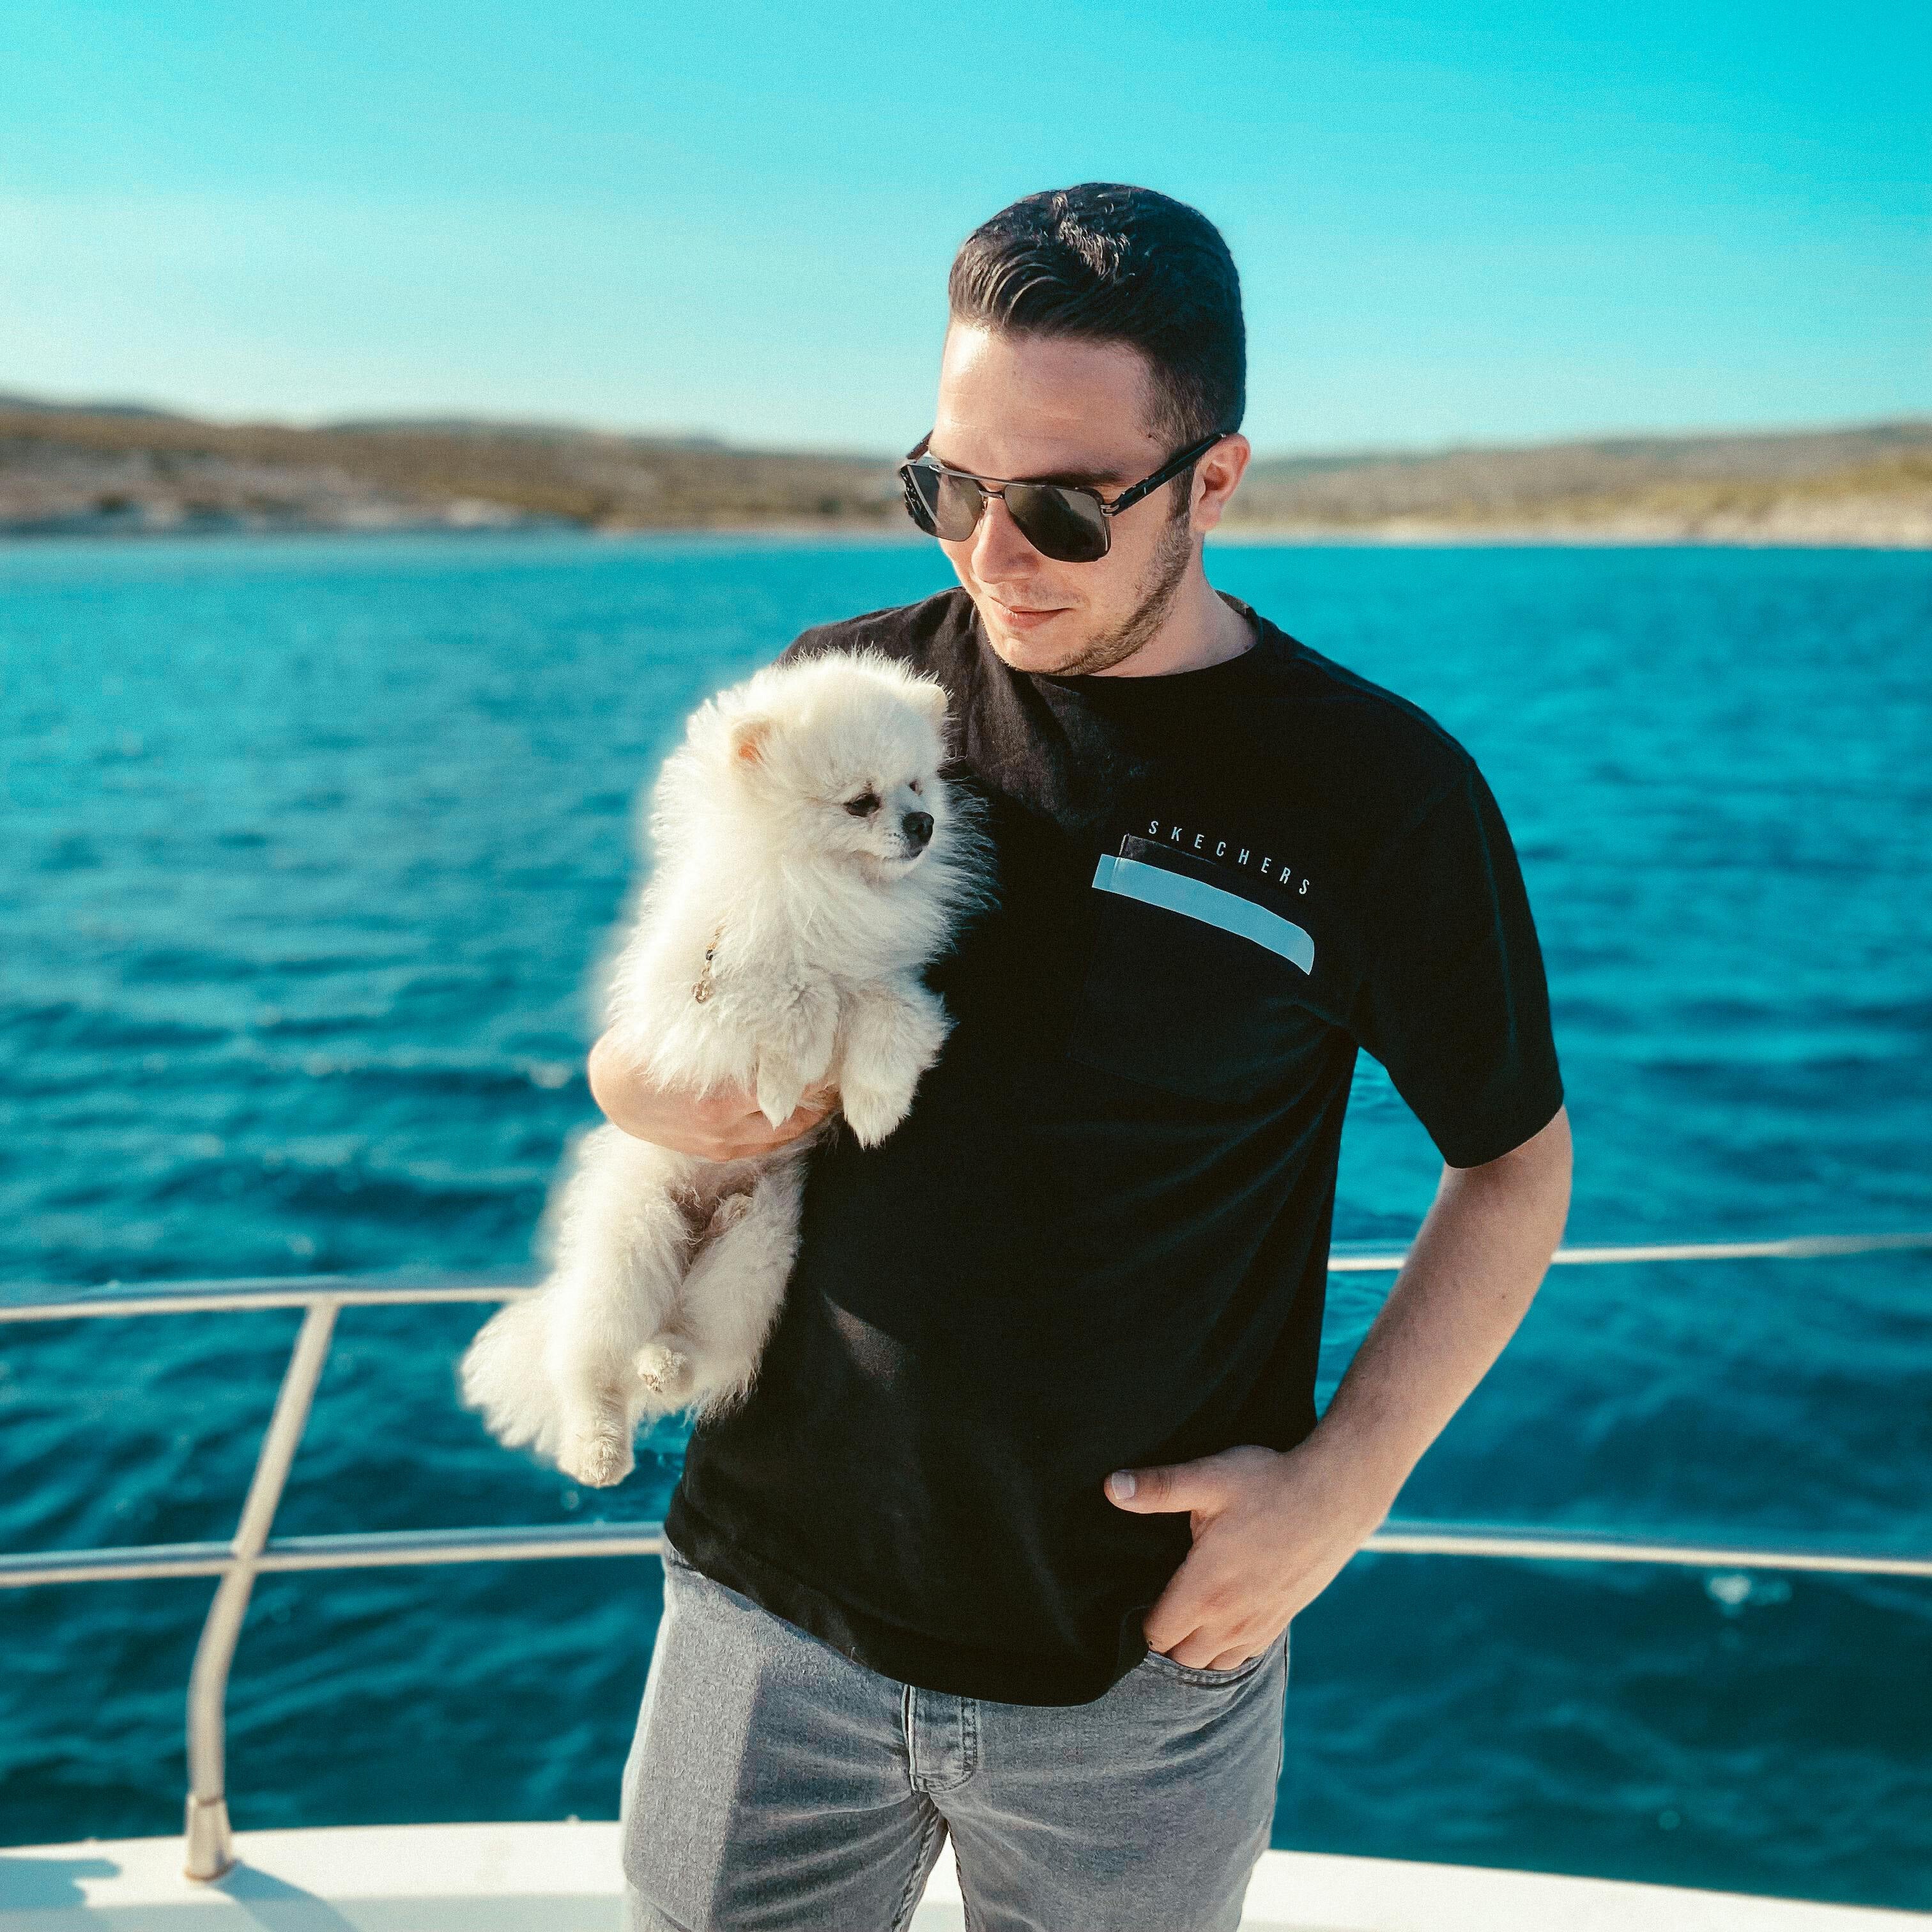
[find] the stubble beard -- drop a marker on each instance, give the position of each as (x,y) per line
(1166,569)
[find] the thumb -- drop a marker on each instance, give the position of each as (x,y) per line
(1173,1485)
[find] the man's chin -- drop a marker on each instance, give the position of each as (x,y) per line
(1044,645)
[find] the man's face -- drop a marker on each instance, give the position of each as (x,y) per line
(1050,410)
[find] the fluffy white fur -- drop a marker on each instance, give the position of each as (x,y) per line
(777,943)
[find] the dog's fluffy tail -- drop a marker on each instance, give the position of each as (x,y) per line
(503,1375)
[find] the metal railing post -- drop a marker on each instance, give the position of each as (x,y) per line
(210,1849)
(211,1846)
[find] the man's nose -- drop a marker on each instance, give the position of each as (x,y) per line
(999,551)
(918,828)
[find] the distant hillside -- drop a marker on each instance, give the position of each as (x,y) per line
(120,468)
(110,471)
(37,406)
(1854,486)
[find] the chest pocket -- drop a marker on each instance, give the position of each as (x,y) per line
(1192,988)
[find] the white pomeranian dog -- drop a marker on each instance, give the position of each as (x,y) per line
(810,861)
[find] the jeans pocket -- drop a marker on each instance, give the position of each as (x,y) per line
(1159,1664)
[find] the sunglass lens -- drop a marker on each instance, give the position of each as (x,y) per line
(957,502)
(917,483)
(942,505)
(1067,525)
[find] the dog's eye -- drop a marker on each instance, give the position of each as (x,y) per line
(916,785)
(864,805)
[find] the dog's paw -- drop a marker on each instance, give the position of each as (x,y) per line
(596,1455)
(665,1371)
(872,1112)
(778,1089)
(726,1216)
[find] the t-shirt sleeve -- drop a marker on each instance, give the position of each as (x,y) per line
(1453,1000)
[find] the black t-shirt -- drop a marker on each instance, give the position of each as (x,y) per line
(1100,1239)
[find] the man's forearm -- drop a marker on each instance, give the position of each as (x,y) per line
(725,1124)
(1273,1528)
(1477,1260)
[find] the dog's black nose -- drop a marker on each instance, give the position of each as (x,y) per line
(919,827)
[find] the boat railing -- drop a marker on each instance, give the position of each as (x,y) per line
(252,1551)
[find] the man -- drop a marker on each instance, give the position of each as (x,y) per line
(1007,1541)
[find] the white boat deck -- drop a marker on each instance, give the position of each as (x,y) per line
(565,1878)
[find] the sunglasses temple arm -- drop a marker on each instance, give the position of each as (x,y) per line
(1167,471)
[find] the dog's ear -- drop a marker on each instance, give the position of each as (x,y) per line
(931,699)
(749,736)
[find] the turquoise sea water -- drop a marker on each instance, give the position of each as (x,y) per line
(308,845)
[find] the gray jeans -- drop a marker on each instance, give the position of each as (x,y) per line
(775,1785)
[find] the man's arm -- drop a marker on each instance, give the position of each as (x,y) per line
(1273,1530)
(724,1126)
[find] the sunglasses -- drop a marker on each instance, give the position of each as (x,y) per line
(1066,521)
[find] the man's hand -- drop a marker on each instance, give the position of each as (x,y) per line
(725,1126)
(1271,1531)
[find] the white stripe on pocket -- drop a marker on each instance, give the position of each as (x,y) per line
(1195,899)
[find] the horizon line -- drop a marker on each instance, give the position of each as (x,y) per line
(431,419)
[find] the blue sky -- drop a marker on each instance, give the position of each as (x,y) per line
(1478,222)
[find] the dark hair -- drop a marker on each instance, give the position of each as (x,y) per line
(1106,262)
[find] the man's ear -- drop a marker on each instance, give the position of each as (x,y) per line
(1217,475)
(749,737)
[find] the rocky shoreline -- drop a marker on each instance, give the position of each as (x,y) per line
(110,473)
(1874,523)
